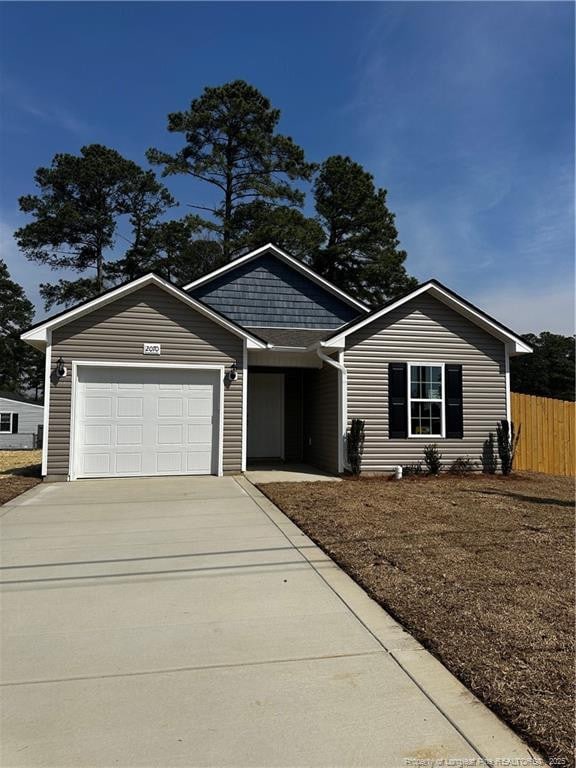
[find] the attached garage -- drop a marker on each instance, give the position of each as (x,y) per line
(135,420)
(144,380)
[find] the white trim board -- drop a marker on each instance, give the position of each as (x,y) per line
(291,261)
(518,345)
(72,473)
(47,386)
(37,337)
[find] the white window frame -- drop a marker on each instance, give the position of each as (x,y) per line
(411,400)
(7,431)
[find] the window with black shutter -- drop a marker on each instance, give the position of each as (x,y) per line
(397,401)
(425,400)
(454,405)
(6,422)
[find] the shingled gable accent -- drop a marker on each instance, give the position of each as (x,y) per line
(285,258)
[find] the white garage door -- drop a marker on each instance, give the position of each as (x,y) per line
(146,421)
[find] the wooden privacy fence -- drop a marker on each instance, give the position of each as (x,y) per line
(547,438)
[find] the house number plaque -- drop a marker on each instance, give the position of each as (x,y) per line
(151,349)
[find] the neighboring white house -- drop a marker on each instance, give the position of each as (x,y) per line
(20,421)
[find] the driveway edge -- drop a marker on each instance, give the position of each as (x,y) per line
(492,739)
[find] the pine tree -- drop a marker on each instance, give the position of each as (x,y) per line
(361,253)
(232,144)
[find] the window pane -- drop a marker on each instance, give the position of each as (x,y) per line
(5,422)
(426,418)
(426,382)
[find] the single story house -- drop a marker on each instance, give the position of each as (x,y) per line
(264,360)
(21,421)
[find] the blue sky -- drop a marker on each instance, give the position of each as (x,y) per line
(463,111)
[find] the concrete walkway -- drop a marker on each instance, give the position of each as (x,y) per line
(187,622)
(288,473)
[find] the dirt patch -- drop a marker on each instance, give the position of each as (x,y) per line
(19,471)
(480,570)
(13,485)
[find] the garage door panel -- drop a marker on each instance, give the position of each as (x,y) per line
(199,433)
(196,462)
(200,406)
(145,421)
(98,434)
(96,463)
(170,406)
(169,463)
(127,407)
(98,406)
(170,434)
(129,434)
(128,463)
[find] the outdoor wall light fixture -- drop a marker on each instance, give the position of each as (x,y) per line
(61,369)
(233,375)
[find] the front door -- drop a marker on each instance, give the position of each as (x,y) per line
(265,415)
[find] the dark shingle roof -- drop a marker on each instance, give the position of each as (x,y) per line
(291,337)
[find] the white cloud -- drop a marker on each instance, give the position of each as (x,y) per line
(22,99)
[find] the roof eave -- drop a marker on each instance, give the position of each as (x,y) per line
(38,335)
(516,345)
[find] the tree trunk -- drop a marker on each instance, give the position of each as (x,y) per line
(227,222)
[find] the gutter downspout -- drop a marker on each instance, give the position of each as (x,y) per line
(342,399)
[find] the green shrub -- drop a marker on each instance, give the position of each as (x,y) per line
(507,444)
(432,459)
(463,465)
(409,470)
(489,459)
(355,445)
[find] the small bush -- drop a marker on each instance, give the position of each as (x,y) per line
(432,459)
(463,465)
(409,470)
(489,459)
(507,444)
(355,445)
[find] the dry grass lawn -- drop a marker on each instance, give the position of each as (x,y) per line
(19,471)
(480,569)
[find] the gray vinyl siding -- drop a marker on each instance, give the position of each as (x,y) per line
(269,293)
(321,418)
(422,330)
(30,417)
(117,332)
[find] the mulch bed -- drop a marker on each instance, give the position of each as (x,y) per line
(479,569)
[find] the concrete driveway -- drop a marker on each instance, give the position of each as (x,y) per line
(187,622)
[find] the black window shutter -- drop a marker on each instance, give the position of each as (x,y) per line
(453,401)
(14,423)
(397,400)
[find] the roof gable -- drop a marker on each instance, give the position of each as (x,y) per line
(277,253)
(266,290)
(450,299)
(38,335)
